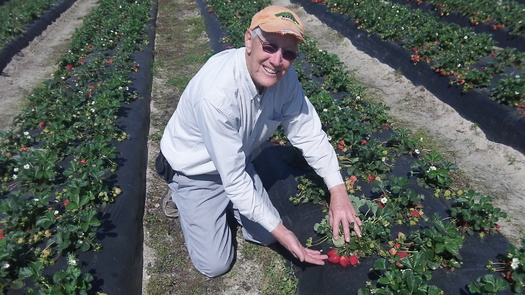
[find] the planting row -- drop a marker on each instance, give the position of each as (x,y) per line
(22,21)
(16,15)
(498,15)
(451,50)
(58,162)
(397,185)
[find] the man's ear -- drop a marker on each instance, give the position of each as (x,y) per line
(248,41)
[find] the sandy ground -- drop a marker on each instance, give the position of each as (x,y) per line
(494,168)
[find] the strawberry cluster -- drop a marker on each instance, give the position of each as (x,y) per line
(343,260)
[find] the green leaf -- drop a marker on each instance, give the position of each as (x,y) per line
(339,242)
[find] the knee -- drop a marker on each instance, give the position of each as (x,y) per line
(214,267)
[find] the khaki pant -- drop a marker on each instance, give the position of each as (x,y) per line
(203,212)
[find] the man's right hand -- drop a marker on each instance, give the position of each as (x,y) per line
(288,239)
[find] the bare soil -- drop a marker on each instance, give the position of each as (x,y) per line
(488,167)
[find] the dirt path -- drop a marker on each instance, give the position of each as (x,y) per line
(492,168)
(36,62)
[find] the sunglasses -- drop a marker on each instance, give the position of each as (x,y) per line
(271,48)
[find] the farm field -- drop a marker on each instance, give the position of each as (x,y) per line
(491,168)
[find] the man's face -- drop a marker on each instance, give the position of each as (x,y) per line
(267,68)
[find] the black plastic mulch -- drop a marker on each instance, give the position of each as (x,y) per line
(118,267)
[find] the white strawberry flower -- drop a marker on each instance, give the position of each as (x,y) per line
(384,200)
(515,263)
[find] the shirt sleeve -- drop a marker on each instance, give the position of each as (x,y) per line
(224,145)
(304,130)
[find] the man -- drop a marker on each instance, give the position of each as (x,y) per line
(232,105)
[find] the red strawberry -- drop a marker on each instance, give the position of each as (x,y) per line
(380,205)
(415,214)
(402,254)
(396,245)
(392,251)
(353,178)
(331,252)
(334,258)
(42,124)
(353,260)
(508,277)
(363,142)
(371,178)
(343,261)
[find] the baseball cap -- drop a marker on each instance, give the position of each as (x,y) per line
(277,19)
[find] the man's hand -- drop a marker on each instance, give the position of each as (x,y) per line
(342,212)
(288,239)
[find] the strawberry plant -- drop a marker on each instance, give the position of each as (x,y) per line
(433,170)
(402,142)
(511,268)
(407,275)
(442,240)
(394,194)
(475,213)
(375,230)
(310,188)
(488,284)
(509,90)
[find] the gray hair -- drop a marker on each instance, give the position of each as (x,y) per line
(256,32)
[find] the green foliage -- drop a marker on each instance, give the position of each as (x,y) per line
(57,159)
(475,213)
(407,275)
(488,284)
(434,170)
(442,240)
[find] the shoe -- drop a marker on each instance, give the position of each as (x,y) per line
(168,206)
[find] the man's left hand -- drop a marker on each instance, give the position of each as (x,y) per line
(342,212)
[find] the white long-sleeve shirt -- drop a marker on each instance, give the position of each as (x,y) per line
(221,119)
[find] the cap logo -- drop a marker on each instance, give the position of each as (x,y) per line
(287,15)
